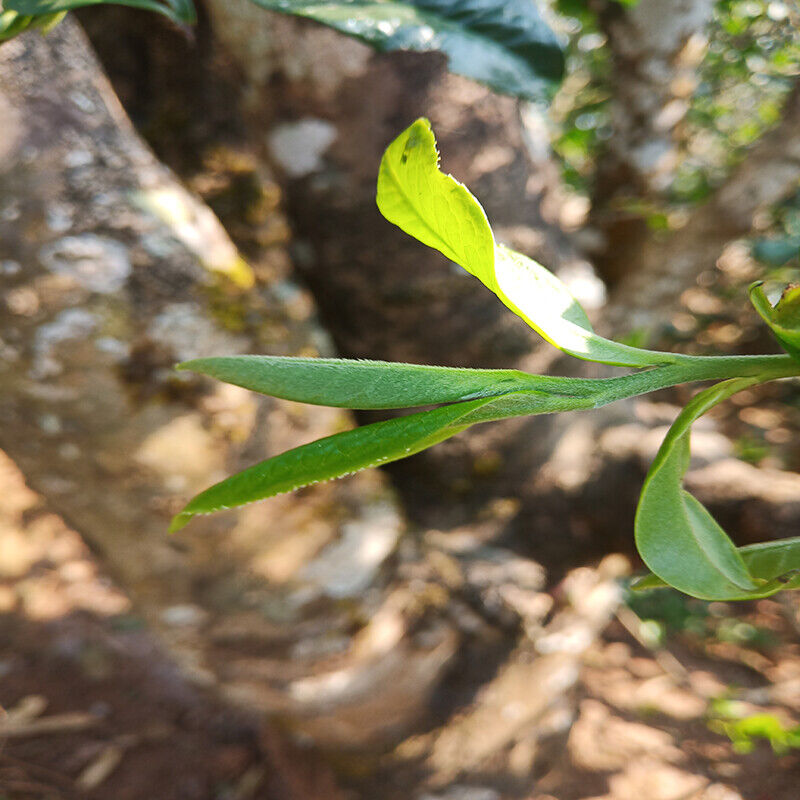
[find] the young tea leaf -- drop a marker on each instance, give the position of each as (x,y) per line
(676,536)
(783,318)
(442,213)
(431,206)
(369,384)
(367,446)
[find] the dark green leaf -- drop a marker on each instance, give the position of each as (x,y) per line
(180,11)
(503,43)
(367,446)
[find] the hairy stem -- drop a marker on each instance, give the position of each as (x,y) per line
(699,368)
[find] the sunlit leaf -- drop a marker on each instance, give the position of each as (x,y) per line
(503,43)
(12,23)
(442,213)
(367,446)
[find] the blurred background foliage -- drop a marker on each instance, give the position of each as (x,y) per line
(750,56)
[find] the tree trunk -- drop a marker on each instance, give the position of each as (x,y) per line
(112,273)
(655,47)
(294,607)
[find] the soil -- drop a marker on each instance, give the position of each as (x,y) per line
(121,721)
(125,725)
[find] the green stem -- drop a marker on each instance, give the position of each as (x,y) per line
(696,368)
(700,368)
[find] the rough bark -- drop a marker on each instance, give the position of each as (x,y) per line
(348,657)
(111,273)
(654,47)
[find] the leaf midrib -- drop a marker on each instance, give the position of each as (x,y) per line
(421,217)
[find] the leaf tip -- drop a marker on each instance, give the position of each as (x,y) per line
(180,520)
(193,365)
(418,134)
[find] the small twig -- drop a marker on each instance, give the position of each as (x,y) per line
(101,767)
(28,708)
(25,787)
(57,723)
(631,621)
(249,783)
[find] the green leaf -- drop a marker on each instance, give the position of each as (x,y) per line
(431,206)
(371,384)
(503,43)
(771,560)
(783,318)
(180,11)
(766,561)
(544,302)
(442,213)
(676,536)
(367,446)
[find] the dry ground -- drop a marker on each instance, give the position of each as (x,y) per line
(93,709)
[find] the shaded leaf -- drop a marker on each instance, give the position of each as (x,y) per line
(442,213)
(770,560)
(372,384)
(503,43)
(766,561)
(676,536)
